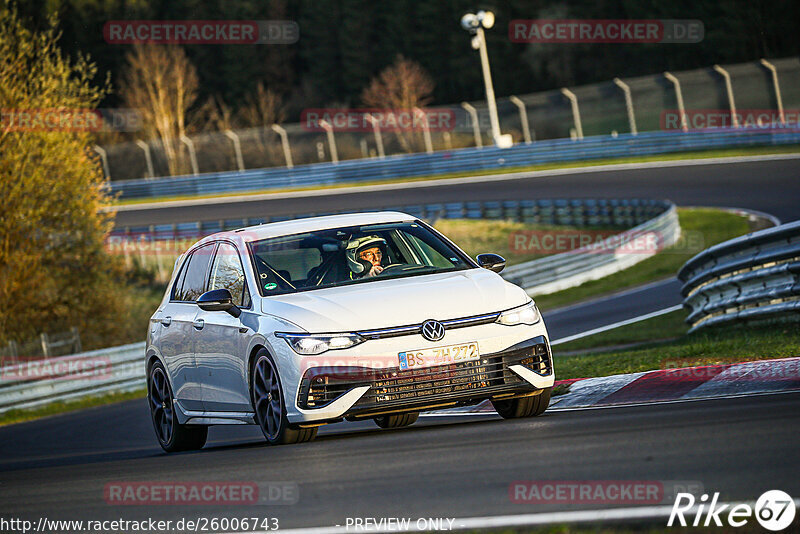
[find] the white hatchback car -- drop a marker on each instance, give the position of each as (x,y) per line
(295,324)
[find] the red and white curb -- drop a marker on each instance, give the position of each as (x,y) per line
(685,383)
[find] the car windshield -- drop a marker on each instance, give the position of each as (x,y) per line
(351,255)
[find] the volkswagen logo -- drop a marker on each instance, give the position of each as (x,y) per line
(432,330)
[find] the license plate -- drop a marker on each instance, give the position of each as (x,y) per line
(418,359)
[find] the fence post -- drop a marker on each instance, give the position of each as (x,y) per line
(729,90)
(104,158)
(679,97)
(76,336)
(287,152)
(628,104)
(426,131)
(331,140)
(192,154)
(376,129)
(769,66)
(146,148)
(476,128)
(45,341)
(576,112)
(237,148)
(523,118)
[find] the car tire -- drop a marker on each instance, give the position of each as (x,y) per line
(397,421)
(269,404)
(523,407)
(171,435)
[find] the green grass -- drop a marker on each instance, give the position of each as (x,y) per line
(477,236)
(717,346)
(704,154)
(18,416)
(710,225)
(665,327)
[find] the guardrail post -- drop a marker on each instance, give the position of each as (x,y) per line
(628,104)
(146,148)
(729,90)
(769,66)
(679,97)
(104,158)
(331,140)
(576,113)
(523,118)
(426,131)
(76,337)
(376,129)
(192,155)
(476,128)
(287,152)
(45,341)
(237,148)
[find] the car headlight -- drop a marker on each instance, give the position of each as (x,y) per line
(311,344)
(527,314)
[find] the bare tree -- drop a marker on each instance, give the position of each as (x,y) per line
(404,85)
(162,84)
(263,108)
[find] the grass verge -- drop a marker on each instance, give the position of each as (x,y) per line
(665,327)
(702,227)
(704,154)
(18,416)
(716,346)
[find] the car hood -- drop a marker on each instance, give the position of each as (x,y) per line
(396,302)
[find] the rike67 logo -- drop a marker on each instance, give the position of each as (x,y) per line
(774,510)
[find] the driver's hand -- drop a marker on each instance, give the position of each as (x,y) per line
(375,271)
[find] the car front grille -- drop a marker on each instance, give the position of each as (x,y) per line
(460,382)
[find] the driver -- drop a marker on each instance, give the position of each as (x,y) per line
(365,256)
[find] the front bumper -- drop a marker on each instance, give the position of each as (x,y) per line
(360,392)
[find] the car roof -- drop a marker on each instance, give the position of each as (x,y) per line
(308,224)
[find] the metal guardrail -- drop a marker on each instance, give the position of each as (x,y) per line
(39,382)
(119,369)
(570,269)
(452,161)
(753,277)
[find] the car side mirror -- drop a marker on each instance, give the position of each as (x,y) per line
(493,262)
(218,300)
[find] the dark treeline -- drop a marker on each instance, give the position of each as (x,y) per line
(344,43)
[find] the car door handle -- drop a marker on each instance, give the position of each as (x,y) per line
(166,321)
(199,324)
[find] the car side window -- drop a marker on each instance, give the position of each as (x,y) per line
(227,273)
(176,288)
(194,282)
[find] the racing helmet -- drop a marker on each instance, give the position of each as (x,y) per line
(354,248)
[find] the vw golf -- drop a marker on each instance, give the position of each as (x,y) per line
(296,324)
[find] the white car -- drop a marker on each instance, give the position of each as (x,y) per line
(295,324)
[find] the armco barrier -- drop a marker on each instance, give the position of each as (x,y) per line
(453,161)
(39,382)
(656,220)
(119,369)
(570,269)
(749,278)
